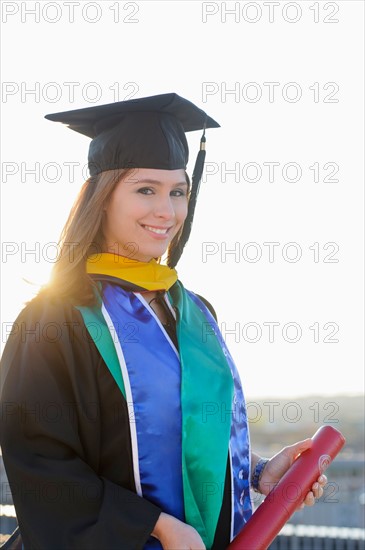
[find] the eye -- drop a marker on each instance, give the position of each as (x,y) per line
(145,191)
(178,193)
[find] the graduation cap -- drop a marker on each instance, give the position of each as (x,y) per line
(147,132)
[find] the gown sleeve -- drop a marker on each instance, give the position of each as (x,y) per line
(65,438)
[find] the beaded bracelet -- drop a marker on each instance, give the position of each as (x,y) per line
(257,473)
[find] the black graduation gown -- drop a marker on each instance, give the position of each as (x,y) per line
(66,441)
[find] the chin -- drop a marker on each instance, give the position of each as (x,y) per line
(148,255)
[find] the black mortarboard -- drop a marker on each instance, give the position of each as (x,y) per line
(147,132)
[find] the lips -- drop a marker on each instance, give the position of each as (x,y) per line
(159,233)
(157,230)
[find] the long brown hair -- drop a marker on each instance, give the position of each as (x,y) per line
(82,236)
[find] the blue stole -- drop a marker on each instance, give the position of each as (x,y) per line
(153,385)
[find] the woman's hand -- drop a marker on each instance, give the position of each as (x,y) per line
(173,533)
(281,462)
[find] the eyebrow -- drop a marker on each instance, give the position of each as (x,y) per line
(157,182)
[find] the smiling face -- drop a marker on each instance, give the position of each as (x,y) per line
(144,213)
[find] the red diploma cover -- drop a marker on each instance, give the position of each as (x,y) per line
(289,493)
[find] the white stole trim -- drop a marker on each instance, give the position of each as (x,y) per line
(129,398)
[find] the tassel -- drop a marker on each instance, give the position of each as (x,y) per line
(195,185)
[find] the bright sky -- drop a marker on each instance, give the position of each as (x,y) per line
(277,244)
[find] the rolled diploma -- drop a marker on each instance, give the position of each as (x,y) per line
(269,518)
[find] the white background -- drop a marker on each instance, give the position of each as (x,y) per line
(169,48)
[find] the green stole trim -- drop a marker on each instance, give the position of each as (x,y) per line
(207,389)
(206,386)
(93,318)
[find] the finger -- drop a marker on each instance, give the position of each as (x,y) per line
(299,447)
(317,490)
(309,499)
(322,480)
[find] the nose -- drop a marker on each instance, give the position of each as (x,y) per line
(164,207)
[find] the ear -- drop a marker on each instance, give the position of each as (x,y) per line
(106,203)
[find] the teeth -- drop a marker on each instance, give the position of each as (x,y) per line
(159,231)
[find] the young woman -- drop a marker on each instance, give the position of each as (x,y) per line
(122,426)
